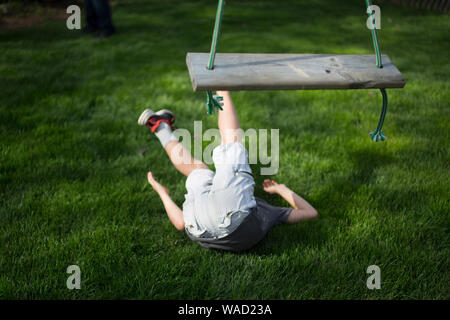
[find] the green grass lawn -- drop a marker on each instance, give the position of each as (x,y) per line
(73,179)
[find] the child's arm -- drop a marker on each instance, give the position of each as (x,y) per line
(174,212)
(302,209)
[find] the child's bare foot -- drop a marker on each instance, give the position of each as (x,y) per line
(156,185)
(270,186)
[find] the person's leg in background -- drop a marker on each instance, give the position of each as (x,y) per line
(103,13)
(91,17)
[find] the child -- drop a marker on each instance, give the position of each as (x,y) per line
(220,210)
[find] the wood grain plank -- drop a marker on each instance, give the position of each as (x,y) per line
(248,71)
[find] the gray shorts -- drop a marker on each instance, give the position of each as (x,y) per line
(252,229)
(217,202)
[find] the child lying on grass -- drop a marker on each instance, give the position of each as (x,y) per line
(220,210)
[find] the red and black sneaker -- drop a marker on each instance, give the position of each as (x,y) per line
(152,119)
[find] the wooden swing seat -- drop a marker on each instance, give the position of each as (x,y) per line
(261,71)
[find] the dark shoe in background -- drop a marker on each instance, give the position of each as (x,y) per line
(105,34)
(89,30)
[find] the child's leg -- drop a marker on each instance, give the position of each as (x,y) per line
(233,171)
(228,121)
(182,158)
(160,123)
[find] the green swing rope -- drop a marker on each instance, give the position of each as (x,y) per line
(378,134)
(213,101)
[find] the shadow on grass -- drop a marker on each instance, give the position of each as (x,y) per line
(335,197)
